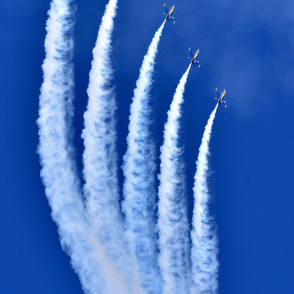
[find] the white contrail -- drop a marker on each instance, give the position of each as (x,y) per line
(204,239)
(100,155)
(61,183)
(139,170)
(173,227)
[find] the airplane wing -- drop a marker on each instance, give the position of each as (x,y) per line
(190,53)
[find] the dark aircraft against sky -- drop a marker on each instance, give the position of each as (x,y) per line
(194,57)
(168,14)
(220,97)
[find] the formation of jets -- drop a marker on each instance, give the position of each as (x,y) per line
(168,14)
(220,97)
(194,57)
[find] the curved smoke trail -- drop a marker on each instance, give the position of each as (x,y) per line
(204,239)
(100,155)
(61,183)
(173,224)
(139,170)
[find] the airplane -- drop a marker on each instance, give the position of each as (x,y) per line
(168,14)
(220,97)
(194,57)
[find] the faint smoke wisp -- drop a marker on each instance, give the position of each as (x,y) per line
(173,227)
(61,183)
(100,155)
(204,239)
(139,169)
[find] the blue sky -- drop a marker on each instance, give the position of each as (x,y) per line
(245,47)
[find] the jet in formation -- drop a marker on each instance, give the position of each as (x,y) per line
(220,98)
(168,14)
(194,57)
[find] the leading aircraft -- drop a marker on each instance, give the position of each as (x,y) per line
(220,97)
(168,14)
(194,57)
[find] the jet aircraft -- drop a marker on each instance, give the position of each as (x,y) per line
(220,97)
(168,14)
(194,57)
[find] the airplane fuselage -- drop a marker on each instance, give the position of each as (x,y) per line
(222,94)
(169,13)
(195,56)
(221,97)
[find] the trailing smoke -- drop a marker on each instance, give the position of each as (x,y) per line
(173,224)
(204,239)
(139,171)
(113,249)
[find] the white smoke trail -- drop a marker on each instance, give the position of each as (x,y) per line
(173,224)
(139,169)
(204,240)
(100,155)
(61,183)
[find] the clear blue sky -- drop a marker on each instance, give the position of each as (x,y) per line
(246,47)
